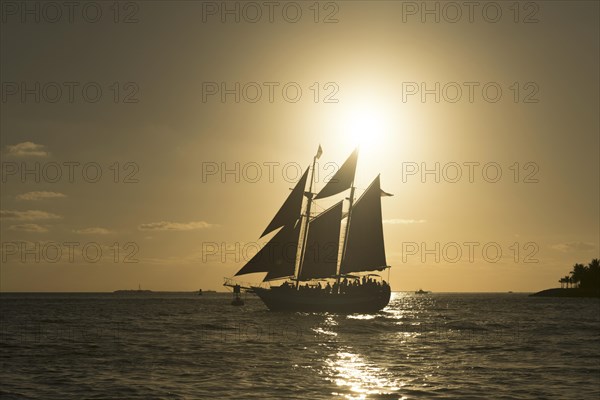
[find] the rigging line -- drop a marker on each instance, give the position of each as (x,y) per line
(321,209)
(347,230)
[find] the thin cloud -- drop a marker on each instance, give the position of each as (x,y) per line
(403,221)
(29,215)
(28,228)
(175,226)
(93,231)
(40,195)
(574,246)
(27,149)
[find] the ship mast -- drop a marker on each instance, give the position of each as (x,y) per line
(345,243)
(309,196)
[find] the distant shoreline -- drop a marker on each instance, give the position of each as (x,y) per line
(228,292)
(570,292)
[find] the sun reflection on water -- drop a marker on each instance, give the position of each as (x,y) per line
(352,372)
(361,316)
(354,375)
(325,330)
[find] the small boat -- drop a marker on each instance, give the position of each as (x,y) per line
(421,291)
(237,298)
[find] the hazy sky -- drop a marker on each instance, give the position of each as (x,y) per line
(145,95)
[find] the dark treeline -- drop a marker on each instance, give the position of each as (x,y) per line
(583,276)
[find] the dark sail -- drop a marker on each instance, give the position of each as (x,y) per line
(290,210)
(277,257)
(365,249)
(322,245)
(342,179)
(285,262)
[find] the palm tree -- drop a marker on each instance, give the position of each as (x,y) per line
(578,273)
(585,277)
(562,281)
(593,274)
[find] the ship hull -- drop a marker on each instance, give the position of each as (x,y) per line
(278,299)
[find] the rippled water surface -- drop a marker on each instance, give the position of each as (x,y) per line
(182,346)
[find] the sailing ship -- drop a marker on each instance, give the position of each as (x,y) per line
(323,270)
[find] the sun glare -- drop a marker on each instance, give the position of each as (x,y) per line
(365,126)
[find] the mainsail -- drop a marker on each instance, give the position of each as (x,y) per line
(342,179)
(365,249)
(277,257)
(290,210)
(322,245)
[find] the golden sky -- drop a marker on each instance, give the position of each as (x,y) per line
(145,95)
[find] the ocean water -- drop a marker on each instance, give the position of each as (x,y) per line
(183,346)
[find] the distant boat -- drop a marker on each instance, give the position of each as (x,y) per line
(132,291)
(308,249)
(421,291)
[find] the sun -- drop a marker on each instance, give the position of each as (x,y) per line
(365,126)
